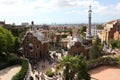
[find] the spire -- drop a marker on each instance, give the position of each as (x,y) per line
(89,20)
(89,35)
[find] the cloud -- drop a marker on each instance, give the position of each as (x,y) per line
(27,8)
(118,6)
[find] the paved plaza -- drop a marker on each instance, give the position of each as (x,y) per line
(8,73)
(105,73)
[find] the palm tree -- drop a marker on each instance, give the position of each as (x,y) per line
(82,71)
(74,66)
(68,63)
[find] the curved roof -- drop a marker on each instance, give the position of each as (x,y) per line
(38,35)
(73,41)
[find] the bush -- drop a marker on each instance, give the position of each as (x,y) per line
(11,61)
(103,61)
(49,73)
(118,60)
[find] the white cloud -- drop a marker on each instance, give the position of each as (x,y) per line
(118,6)
(27,8)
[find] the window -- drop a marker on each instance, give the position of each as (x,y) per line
(36,55)
(30,48)
(37,46)
(34,40)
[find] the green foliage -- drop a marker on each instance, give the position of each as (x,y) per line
(10,60)
(114,44)
(17,32)
(72,66)
(82,69)
(99,26)
(16,45)
(64,36)
(49,73)
(83,29)
(52,34)
(118,44)
(6,40)
(103,61)
(118,60)
(95,51)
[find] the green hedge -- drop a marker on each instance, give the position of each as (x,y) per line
(103,61)
(22,72)
(10,62)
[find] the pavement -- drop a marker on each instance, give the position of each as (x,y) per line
(8,73)
(41,68)
(105,73)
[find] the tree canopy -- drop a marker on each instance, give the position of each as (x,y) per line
(99,26)
(74,68)
(95,51)
(114,44)
(6,40)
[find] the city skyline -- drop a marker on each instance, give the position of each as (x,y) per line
(58,11)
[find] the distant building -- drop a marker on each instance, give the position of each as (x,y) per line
(26,24)
(45,32)
(111,31)
(2,23)
(65,41)
(95,31)
(75,45)
(117,32)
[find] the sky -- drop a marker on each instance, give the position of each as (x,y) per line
(58,11)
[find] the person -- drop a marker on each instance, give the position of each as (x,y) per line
(42,76)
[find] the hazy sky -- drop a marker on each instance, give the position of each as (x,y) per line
(58,11)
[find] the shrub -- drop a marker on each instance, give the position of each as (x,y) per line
(11,61)
(49,73)
(118,60)
(103,61)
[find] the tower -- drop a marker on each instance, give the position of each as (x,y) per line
(88,35)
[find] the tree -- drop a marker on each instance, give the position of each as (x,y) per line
(6,40)
(74,66)
(52,34)
(16,45)
(82,69)
(113,44)
(95,51)
(82,30)
(69,67)
(64,36)
(99,26)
